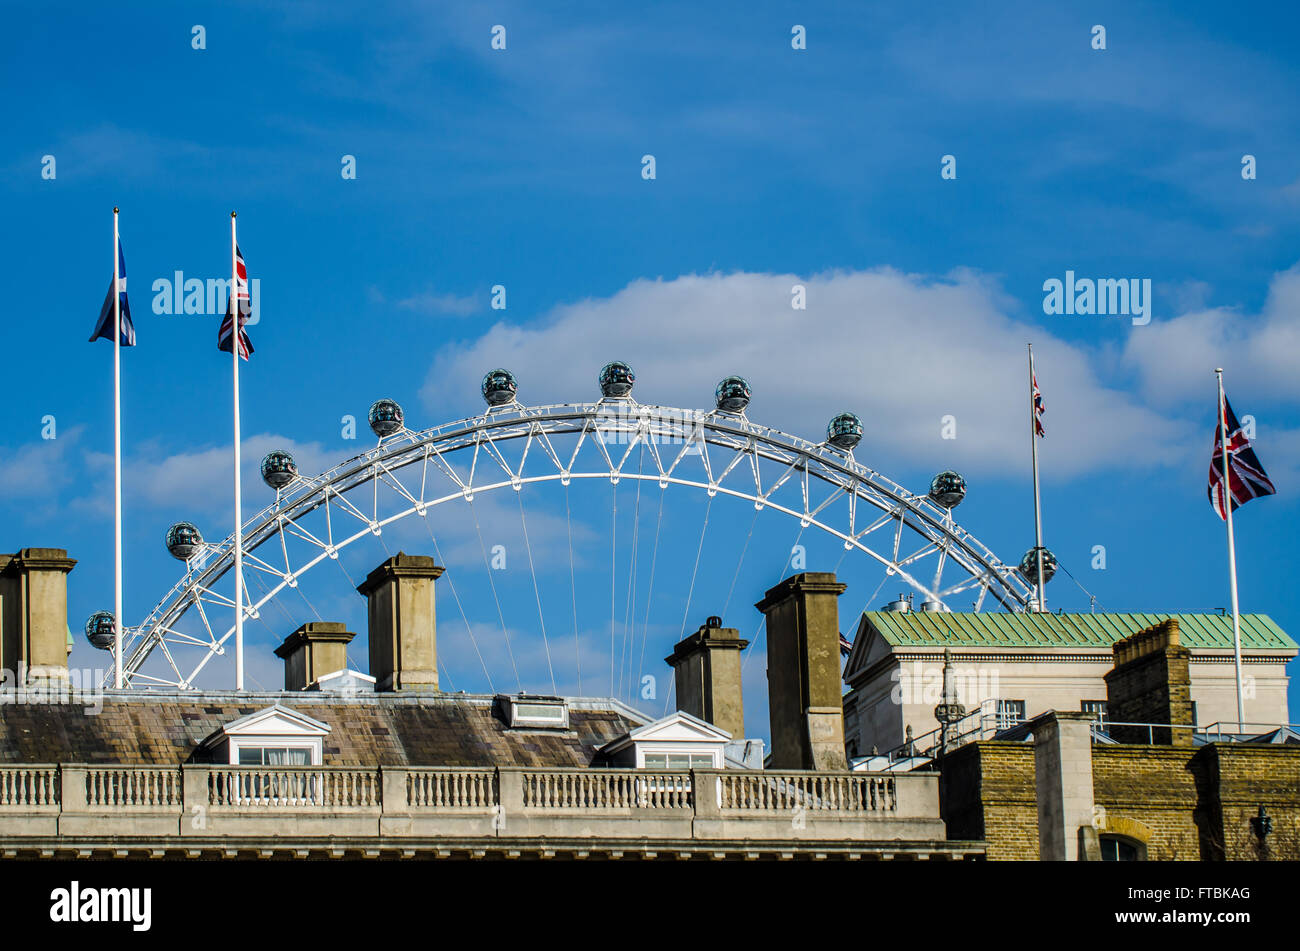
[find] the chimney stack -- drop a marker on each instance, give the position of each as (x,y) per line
(402,623)
(706,667)
(805,700)
(1150,683)
(34,612)
(315,649)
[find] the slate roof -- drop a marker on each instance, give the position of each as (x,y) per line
(368,730)
(1031,630)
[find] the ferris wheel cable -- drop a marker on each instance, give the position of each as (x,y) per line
(1091,597)
(613,562)
(460,607)
(780,450)
(867,606)
(573,589)
(492,583)
(278,603)
(726,604)
(311,606)
(690,594)
(537,591)
(650,590)
(762,621)
(623,662)
(1001,574)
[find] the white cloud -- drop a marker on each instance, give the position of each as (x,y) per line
(1175,359)
(38,470)
(902,351)
(430,304)
(199,481)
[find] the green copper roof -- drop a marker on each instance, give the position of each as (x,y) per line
(1001,629)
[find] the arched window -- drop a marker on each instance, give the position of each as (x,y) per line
(1117,848)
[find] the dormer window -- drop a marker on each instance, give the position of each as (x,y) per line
(276,736)
(546,713)
(679,741)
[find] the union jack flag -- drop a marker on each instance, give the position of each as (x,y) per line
(1248,478)
(1039,408)
(846,645)
(238,294)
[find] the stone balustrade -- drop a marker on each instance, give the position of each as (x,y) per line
(167,807)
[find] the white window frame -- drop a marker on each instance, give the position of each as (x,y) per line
(313,745)
(677,749)
(1006,719)
(518,720)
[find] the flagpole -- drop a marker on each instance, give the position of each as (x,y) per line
(1038,514)
(117,462)
(1232,551)
(239,520)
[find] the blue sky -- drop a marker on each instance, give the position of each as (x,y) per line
(477,167)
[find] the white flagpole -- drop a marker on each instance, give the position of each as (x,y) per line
(1038,515)
(117,463)
(239,518)
(1232,551)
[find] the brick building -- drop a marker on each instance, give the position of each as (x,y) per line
(1060,787)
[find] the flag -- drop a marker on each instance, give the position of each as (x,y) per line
(1248,478)
(846,646)
(238,298)
(1039,408)
(104,328)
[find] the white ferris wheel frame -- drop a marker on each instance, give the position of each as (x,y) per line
(723,441)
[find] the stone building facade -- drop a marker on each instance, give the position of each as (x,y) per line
(380,765)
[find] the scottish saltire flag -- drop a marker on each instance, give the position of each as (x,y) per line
(1248,478)
(238,298)
(1039,408)
(104,328)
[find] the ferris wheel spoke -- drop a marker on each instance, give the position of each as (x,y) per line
(834,496)
(545,442)
(252,561)
(392,481)
(682,454)
(917,555)
(347,507)
(653,445)
(495,453)
(537,592)
(736,459)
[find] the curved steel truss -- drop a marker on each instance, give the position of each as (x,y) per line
(409,473)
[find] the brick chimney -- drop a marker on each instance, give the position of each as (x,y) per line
(803,672)
(402,622)
(315,649)
(706,666)
(34,612)
(1150,683)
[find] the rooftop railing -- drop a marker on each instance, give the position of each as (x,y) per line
(161,802)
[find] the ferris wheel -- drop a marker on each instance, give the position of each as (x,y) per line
(410,474)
